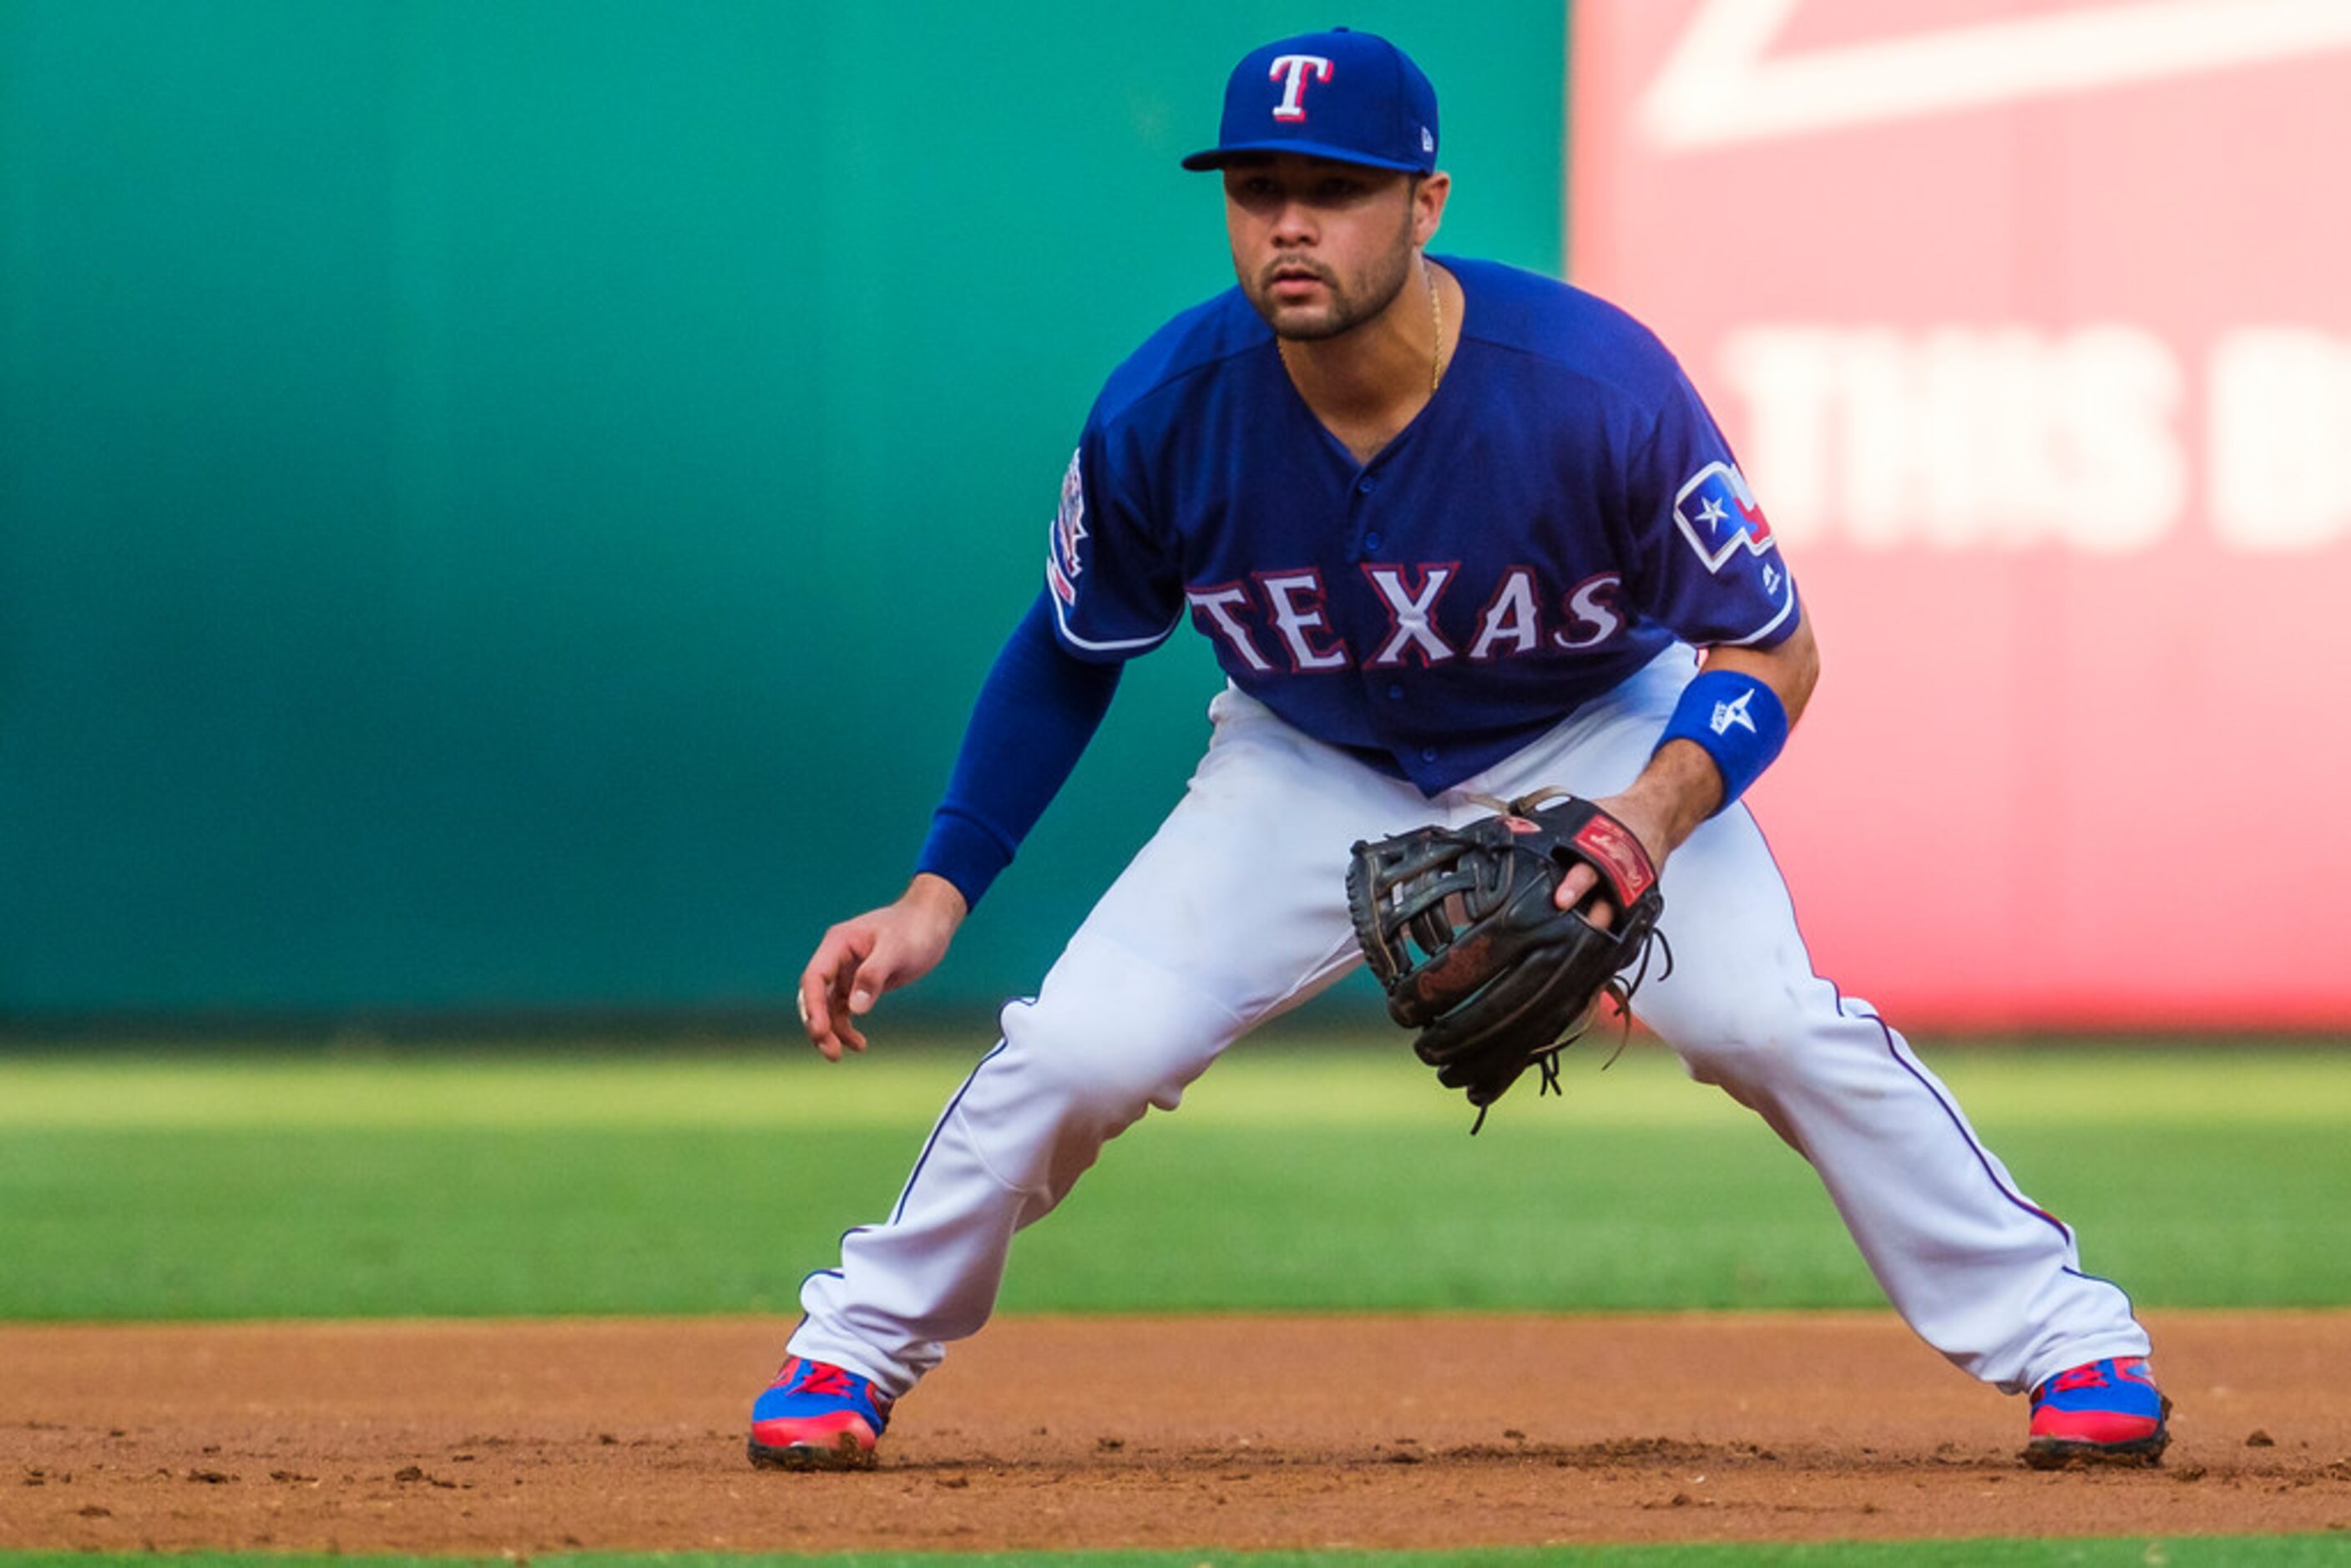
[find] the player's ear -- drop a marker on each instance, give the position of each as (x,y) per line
(1428,193)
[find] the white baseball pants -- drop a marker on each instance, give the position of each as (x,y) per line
(1236,911)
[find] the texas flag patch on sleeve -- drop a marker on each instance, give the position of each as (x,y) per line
(1717,515)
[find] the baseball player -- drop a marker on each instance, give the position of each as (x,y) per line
(1458,532)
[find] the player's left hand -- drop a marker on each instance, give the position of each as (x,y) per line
(1451,921)
(1663,807)
(1581,880)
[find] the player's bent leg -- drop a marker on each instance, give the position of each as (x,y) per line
(1106,1040)
(1108,1037)
(1234,912)
(1981,1271)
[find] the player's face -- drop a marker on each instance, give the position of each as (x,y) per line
(1321,246)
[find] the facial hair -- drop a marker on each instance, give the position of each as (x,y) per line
(1353,303)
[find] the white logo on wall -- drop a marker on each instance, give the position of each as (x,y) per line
(2013,437)
(1722,84)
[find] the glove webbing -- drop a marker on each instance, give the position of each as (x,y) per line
(1618,991)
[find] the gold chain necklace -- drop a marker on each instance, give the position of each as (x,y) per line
(1435,329)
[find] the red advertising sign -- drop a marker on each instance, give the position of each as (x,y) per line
(2031,321)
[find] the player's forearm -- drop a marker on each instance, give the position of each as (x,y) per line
(1687,780)
(1790,669)
(1036,712)
(1679,789)
(939,899)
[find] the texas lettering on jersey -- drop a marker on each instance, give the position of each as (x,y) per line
(1281,618)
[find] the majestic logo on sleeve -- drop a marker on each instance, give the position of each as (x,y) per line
(1718,516)
(1064,565)
(1294,69)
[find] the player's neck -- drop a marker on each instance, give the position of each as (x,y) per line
(1366,384)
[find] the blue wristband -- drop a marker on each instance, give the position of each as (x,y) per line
(1739,720)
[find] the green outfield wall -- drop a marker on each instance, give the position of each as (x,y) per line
(504,504)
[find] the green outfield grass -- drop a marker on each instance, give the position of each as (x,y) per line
(1297,1177)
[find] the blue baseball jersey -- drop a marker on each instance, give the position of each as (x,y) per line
(1561,512)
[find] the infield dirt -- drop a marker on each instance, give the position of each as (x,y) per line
(520,1437)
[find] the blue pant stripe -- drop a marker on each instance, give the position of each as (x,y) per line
(931,1142)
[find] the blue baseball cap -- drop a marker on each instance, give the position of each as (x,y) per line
(1352,97)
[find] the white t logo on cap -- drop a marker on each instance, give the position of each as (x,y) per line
(1294,90)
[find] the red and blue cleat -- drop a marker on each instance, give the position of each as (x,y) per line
(2107,1412)
(816,1416)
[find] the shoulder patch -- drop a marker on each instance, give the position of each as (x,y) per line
(1717,515)
(1066,564)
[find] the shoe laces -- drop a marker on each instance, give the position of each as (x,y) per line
(2089,1376)
(822,1377)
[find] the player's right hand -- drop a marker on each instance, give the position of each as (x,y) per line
(878,951)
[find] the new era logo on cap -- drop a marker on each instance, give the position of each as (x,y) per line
(1348,96)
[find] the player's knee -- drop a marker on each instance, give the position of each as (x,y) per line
(1101,1065)
(1084,1077)
(1751,1037)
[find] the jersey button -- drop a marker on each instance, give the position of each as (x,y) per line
(1428,754)
(1371,541)
(1395,694)
(1367,484)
